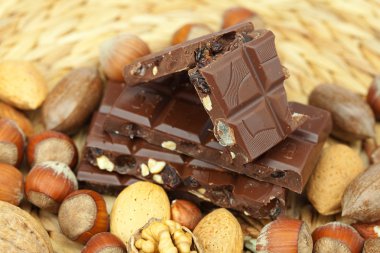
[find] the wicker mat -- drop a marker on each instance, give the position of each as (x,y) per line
(318,41)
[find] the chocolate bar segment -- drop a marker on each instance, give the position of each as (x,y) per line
(243,93)
(177,172)
(179,123)
(291,162)
(181,56)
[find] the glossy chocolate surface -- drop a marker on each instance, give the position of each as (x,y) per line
(243,93)
(117,153)
(181,56)
(170,111)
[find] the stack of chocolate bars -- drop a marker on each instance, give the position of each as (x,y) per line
(208,120)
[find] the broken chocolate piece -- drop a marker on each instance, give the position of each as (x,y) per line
(246,97)
(182,56)
(172,170)
(179,123)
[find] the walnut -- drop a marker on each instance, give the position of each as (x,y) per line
(166,236)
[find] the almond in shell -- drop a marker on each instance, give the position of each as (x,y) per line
(219,232)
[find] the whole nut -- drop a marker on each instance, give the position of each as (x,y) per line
(135,206)
(337,237)
(48,183)
(20,232)
(361,198)
(368,230)
(104,242)
(12,141)
(189,32)
(120,51)
(352,118)
(52,146)
(22,85)
(7,111)
(336,168)
(373,96)
(83,214)
(285,235)
(11,184)
(185,213)
(214,229)
(371,246)
(237,15)
(72,101)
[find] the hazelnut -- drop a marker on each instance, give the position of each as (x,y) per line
(373,97)
(185,213)
(12,140)
(337,237)
(189,32)
(120,51)
(285,235)
(368,230)
(103,243)
(237,15)
(52,146)
(83,214)
(371,246)
(48,183)
(11,184)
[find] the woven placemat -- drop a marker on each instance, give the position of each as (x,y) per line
(318,41)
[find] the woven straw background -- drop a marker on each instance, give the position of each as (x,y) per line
(318,41)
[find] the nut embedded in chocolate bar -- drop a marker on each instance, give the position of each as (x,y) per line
(224,134)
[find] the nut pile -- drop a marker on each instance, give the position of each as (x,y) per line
(142,218)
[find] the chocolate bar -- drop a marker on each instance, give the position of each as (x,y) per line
(176,172)
(168,114)
(239,80)
(181,56)
(243,93)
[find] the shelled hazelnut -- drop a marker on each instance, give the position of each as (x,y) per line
(12,141)
(83,214)
(189,32)
(11,184)
(337,237)
(48,183)
(52,146)
(285,235)
(185,213)
(119,51)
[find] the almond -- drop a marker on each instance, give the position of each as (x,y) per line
(7,111)
(338,166)
(135,206)
(219,232)
(20,232)
(72,100)
(352,117)
(361,200)
(22,85)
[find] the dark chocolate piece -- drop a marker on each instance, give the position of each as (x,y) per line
(169,115)
(245,97)
(182,56)
(181,173)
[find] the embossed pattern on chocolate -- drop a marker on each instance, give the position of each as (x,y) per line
(245,96)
